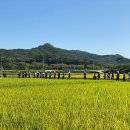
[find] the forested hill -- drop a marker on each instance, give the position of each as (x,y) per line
(31,58)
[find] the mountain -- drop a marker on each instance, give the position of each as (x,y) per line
(33,58)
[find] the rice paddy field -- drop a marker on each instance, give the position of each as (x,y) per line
(77,104)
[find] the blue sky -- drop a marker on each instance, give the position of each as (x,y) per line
(96,26)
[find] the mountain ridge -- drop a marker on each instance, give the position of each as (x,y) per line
(52,55)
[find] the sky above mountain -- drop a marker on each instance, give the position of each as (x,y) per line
(96,26)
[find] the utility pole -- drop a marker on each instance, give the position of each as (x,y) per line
(62,64)
(1,66)
(43,64)
(114,69)
(57,64)
(34,64)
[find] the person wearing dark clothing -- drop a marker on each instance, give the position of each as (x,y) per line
(117,75)
(108,75)
(58,75)
(50,75)
(124,77)
(54,75)
(19,75)
(98,75)
(112,76)
(34,75)
(63,76)
(69,75)
(37,74)
(94,77)
(128,74)
(85,75)
(29,75)
(23,74)
(46,75)
(105,75)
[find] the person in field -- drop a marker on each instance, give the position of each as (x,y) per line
(19,74)
(112,76)
(128,76)
(23,75)
(105,75)
(50,75)
(99,76)
(42,75)
(58,75)
(29,74)
(94,76)
(69,75)
(54,75)
(108,75)
(63,75)
(124,77)
(38,74)
(46,75)
(118,75)
(85,75)
(35,75)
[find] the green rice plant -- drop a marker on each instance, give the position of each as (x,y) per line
(39,104)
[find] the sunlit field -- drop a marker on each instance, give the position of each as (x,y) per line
(39,104)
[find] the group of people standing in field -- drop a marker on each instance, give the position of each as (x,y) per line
(58,75)
(24,75)
(111,76)
(45,75)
